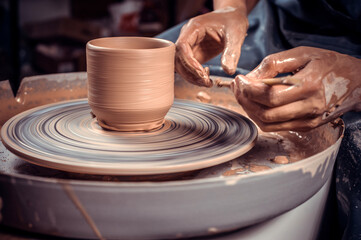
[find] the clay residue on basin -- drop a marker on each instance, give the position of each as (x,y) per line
(40,90)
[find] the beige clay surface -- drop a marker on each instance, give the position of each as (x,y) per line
(130,81)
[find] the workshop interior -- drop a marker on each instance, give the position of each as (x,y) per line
(42,37)
(203,168)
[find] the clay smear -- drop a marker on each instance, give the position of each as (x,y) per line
(203,97)
(281,160)
(335,87)
(71,194)
(130,81)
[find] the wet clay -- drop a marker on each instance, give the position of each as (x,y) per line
(220,83)
(233,171)
(204,97)
(258,168)
(281,160)
(130,82)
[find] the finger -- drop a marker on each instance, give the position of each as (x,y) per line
(282,62)
(185,62)
(192,75)
(274,96)
(300,124)
(237,86)
(292,111)
(304,124)
(257,113)
(249,106)
(190,69)
(232,52)
(255,110)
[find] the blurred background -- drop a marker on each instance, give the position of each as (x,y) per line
(49,36)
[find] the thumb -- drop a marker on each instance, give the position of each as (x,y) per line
(282,62)
(232,52)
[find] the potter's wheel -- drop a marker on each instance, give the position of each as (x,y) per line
(217,199)
(66,136)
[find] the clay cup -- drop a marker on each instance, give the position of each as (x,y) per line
(130,81)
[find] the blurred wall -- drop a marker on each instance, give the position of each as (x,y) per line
(40,10)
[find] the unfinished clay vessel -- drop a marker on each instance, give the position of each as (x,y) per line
(130,81)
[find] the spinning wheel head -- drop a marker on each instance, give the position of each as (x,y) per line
(65,136)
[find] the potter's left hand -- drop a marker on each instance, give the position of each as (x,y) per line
(329,85)
(206,36)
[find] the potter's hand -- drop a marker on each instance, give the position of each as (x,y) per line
(329,85)
(205,36)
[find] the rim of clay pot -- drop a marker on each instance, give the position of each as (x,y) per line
(153,44)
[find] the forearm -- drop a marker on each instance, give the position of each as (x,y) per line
(245,5)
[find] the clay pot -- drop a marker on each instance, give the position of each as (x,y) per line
(130,81)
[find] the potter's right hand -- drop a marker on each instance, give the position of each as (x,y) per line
(206,36)
(325,85)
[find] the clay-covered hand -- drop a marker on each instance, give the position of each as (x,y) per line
(329,84)
(206,36)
